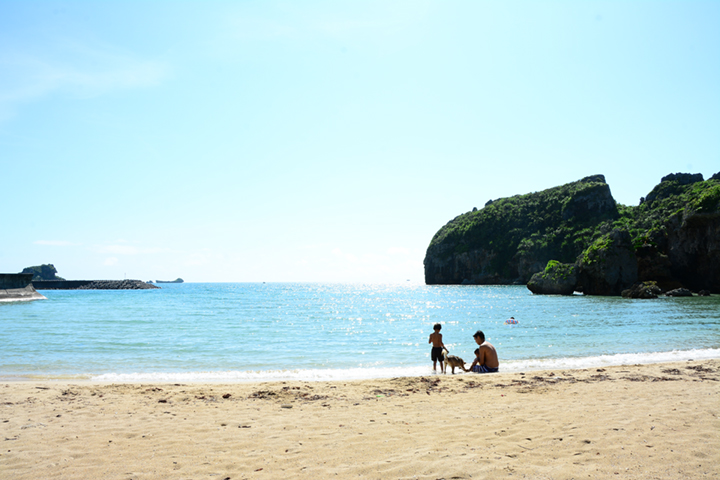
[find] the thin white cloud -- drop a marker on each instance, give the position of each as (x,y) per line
(204,257)
(196,260)
(128,250)
(56,243)
(110,261)
(345,256)
(70,69)
(297,22)
(120,249)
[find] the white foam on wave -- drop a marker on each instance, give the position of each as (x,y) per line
(317,375)
(308,375)
(610,360)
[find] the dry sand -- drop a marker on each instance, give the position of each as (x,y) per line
(640,421)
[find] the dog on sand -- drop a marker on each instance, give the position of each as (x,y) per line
(453,361)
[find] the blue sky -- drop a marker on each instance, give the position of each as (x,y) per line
(328,141)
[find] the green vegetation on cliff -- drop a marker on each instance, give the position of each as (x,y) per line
(674,238)
(558,270)
(518,235)
(512,238)
(648,222)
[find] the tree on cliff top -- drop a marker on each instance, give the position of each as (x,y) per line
(43,272)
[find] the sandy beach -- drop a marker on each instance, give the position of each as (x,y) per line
(640,421)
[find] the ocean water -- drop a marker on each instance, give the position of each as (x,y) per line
(229,332)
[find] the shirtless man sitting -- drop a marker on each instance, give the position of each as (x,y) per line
(486,360)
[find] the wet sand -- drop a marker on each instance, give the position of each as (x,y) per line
(640,421)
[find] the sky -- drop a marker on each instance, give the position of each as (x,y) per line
(328,141)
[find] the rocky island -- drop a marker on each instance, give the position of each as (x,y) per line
(576,237)
(43,272)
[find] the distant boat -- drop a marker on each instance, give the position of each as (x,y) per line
(177,280)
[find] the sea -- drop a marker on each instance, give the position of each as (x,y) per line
(251,332)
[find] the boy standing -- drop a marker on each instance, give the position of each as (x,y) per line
(437,349)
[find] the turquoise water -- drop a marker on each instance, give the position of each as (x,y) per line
(238,332)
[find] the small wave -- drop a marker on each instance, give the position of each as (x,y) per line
(610,360)
(318,375)
(308,375)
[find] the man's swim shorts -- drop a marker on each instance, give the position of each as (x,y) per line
(484,369)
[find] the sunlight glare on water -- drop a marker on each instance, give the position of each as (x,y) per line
(234,331)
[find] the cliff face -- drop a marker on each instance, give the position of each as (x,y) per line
(678,227)
(672,239)
(512,238)
(694,251)
(609,266)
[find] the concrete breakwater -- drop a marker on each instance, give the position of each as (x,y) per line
(92,285)
(17,287)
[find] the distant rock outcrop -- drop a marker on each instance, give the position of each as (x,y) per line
(642,290)
(177,280)
(679,292)
(43,272)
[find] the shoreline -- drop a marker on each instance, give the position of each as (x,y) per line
(367,373)
(639,421)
